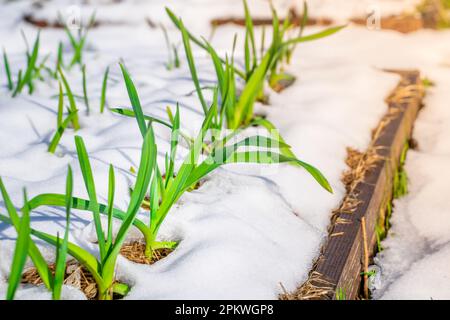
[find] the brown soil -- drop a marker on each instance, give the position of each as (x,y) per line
(295,18)
(430,15)
(135,252)
(42,23)
(403,24)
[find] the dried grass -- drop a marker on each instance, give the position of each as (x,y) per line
(135,252)
(76,276)
(315,288)
(79,277)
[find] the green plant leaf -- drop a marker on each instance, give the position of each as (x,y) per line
(111,191)
(70,96)
(85,93)
(90,187)
(59,132)
(53,199)
(146,168)
(7,70)
(20,255)
(314,36)
(134,99)
(61,252)
(192,68)
(33,251)
(27,78)
(104,87)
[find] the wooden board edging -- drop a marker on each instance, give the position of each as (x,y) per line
(337,272)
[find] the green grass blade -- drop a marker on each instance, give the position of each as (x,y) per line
(7,70)
(263,41)
(71,37)
(59,116)
(177,22)
(275,134)
(176,188)
(59,59)
(20,255)
(88,178)
(111,191)
(146,168)
(221,154)
(315,36)
(192,68)
(268,157)
(220,72)
(173,146)
(132,114)
(170,60)
(59,132)
(27,78)
(33,251)
(19,81)
(247,56)
(53,199)
(70,96)
(134,99)
(244,108)
(104,87)
(304,19)
(176,61)
(85,93)
(60,262)
(251,33)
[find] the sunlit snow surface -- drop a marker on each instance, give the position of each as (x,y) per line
(248,228)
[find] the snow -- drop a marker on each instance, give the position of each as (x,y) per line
(248,228)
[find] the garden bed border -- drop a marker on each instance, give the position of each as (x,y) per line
(337,272)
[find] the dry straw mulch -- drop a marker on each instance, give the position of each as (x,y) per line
(135,252)
(76,276)
(79,277)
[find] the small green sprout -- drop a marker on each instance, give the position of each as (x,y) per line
(401,177)
(427,82)
(32,71)
(257,68)
(280,49)
(78,43)
(7,70)
(72,104)
(172,51)
(85,93)
(340,294)
(20,254)
(104,87)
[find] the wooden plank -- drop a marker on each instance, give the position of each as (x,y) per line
(339,267)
